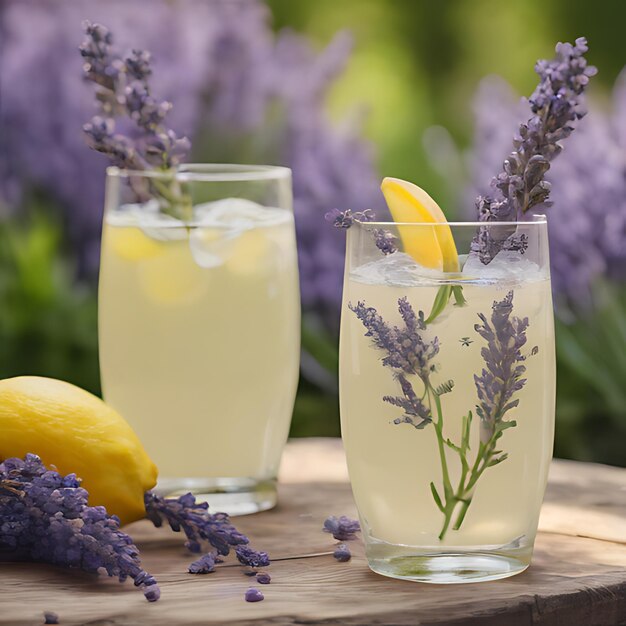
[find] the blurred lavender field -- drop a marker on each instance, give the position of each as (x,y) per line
(342,93)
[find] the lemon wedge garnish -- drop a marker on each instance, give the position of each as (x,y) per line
(432,247)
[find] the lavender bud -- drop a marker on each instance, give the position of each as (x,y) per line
(342,553)
(252,558)
(263,578)
(342,528)
(254,595)
(385,241)
(204,565)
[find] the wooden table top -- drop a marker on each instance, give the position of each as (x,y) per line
(578,574)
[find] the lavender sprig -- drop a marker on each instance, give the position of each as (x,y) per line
(408,353)
(502,376)
(45,517)
(193,518)
(123,90)
(556,105)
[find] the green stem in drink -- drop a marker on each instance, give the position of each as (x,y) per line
(444,293)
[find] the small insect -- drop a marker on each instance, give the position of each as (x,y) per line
(534,351)
(465,341)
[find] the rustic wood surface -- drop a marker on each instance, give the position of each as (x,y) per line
(578,575)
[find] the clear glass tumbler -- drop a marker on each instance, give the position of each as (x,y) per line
(447,391)
(199,324)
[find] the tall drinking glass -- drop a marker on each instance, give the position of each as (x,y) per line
(199,324)
(447,385)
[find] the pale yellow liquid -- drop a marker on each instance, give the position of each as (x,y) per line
(391,466)
(202,358)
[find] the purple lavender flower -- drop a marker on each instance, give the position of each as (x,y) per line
(385,241)
(587,223)
(405,348)
(340,219)
(254,595)
(204,565)
(263,578)
(416,412)
(502,375)
(46,517)
(123,90)
(342,528)
(194,519)
(247,556)
(342,553)
(556,106)
(50,617)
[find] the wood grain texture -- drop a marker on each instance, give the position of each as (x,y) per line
(574,580)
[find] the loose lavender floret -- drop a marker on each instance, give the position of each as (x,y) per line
(556,105)
(194,519)
(345,219)
(247,556)
(204,565)
(342,528)
(50,617)
(385,241)
(45,517)
(342,553)
(501,377)
(254,595)
(263,578)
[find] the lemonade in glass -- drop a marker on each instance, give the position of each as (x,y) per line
(199,325)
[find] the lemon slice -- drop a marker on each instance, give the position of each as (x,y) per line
(131,244)
(431,247)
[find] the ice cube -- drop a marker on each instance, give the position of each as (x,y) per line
(507,266)
(397,269)
(149,217)
(212,247)
(218,226)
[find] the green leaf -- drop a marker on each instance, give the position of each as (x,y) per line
(465,430)
(502,426)
(497,460)
(441,300)
(459,299)
(436,497)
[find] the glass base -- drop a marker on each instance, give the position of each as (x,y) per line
(235,496)
(449,568)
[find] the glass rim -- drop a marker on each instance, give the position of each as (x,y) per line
(538,220)
(207,172)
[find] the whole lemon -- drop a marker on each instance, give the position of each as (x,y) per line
(77,432)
